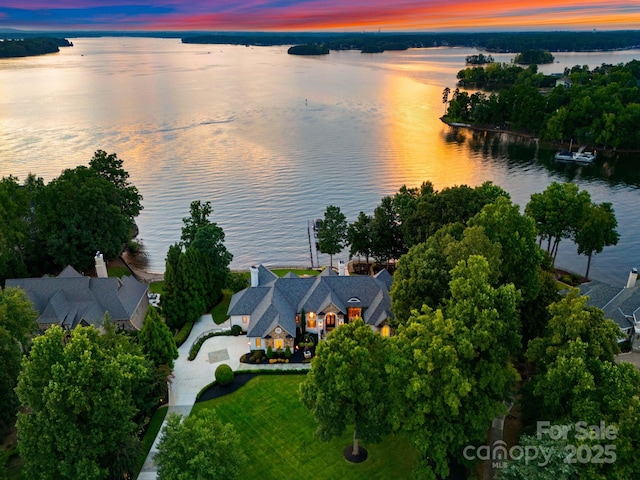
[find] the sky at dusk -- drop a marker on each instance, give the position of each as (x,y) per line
(321,15)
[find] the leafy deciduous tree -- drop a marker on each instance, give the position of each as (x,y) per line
(596,231)
(346,385)
(451,370)
(201,446)
(79,404)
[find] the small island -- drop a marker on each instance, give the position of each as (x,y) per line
(31,46)
(479,59)
(533,57)
(309,49)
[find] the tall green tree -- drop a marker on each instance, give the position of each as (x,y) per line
(198,217)
(209,242)
(79,408)
(347,386)
(15,208)
(516,233)
(110,167)
(17,326)
(156,340)
(386,233)
(596,231)
(558,213)
(79,213)
(199,447)
(359,237)
(170,301)
(451,369)
(332,232)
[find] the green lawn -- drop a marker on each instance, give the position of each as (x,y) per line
(219,312)
(157,287)
(277,435)
(283,271)
(118,271)
(149,436)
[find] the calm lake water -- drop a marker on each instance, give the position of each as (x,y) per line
(272,139)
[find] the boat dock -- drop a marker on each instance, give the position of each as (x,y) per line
(313,243)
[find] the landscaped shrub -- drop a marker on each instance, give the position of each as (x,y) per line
(183,334)
(236,330)
(224,374)
(269,353)
(287,352)
(257,356)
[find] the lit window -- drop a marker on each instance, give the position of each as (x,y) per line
(386,331)
(245,319)
(279,344)
(258,343)
(354,313)
(312,320)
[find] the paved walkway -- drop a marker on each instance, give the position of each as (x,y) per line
(189,377)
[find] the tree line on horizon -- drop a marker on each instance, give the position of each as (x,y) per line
(495,42)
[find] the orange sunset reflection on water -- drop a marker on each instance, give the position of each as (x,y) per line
(411,132)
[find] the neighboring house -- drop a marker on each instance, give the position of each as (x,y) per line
(71,299)
(621,305)
(564,81)
(270,309)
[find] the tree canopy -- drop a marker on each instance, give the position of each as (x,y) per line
(65,222)
(201,446)
(17,326)
(79,405)
(347,386)
(451,369)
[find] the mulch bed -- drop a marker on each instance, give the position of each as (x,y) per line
(361,457)
(216,391)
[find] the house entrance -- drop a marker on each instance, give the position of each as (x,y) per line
(330,320)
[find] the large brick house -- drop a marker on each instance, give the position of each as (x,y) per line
(270,309)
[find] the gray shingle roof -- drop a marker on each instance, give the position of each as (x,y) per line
(70,297)
(277,302)
(619,304)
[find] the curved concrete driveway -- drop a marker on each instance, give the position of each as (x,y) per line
(189,377)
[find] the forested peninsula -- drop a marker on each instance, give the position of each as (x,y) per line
(599,107)
(497,42)
(31,46)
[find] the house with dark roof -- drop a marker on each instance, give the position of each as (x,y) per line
(270,310)
(620,304)
(71,299)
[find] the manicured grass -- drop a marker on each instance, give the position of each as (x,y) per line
(277,436)
(157,287)
(219,312)
(282,272)
(118,271)
(149,437)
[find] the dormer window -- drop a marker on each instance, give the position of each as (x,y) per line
(354,300)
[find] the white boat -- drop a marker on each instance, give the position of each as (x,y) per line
(579,157)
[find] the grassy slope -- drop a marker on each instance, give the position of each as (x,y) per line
(277,435)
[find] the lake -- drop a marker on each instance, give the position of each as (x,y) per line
(271,139)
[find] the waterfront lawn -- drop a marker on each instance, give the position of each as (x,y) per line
(281,272)
(277,436)
(157,287)
(118,271)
